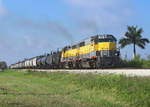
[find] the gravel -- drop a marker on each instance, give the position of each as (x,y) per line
(127,72)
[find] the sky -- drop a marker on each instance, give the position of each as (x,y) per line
(30,28)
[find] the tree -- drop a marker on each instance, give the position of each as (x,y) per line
(3,65)
(134,36)
(148,57)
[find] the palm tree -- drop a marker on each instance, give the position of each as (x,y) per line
(133,36)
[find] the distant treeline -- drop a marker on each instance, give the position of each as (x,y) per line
(3,65)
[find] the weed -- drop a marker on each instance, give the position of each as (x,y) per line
(62,89)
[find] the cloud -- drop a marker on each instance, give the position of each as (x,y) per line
(33,43)
(3,11)
(93,3)
(100,15)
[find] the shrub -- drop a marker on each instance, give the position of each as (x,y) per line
(3,65)
(137,62)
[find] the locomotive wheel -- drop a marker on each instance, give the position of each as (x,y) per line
(77,65)
(80,65)
(92,64)
(62,65)
(70,65)
(74,65)
(99,65)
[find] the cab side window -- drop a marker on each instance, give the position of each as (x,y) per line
(102,40)
(74,47)
(82,44)
(96,40)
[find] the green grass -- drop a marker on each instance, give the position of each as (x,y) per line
(72,90)
(137,62)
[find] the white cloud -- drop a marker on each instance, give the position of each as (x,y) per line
(105,15)
(33,42)
(3,11)
(93,3)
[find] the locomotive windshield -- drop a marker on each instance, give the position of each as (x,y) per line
(107,40)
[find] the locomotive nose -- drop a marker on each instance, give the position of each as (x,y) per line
(106,46)
(112,46)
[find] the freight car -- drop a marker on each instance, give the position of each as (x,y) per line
(50,61)
(95,52)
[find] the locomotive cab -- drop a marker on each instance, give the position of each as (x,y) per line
(106,50)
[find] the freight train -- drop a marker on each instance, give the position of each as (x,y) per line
(95,52)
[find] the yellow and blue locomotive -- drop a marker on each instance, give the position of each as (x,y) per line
(94,52)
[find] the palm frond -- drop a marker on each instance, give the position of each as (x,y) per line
(141,45)
(142,42)
(140,31)
(128,35)
(124,42)
(145,40)
(132,33)
(130,28)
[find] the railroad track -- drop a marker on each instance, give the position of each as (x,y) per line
(127,72)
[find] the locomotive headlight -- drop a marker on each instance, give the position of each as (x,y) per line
(117,53)
(105,53)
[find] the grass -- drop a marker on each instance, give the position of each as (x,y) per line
(137,62)
(72,90)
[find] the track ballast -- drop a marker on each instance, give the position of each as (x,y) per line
(127,72)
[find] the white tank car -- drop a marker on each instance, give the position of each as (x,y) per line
(27,63)
(12,66)
(34,62)
(16,65)
(19,65)
(30,63)
(23,64)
